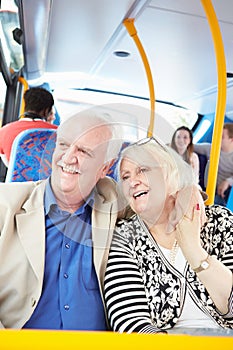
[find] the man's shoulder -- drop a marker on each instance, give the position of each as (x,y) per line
(9,126)
(107,187)
(15,192)
(48,125)
(202,145)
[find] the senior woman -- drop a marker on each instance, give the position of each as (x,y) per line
(171,260)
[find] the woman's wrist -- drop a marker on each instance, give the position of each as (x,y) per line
(196,256)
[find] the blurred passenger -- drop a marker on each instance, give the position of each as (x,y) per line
(225,165)
(182,143)
(170,264)
(51,116)
(55,233)
(38,107)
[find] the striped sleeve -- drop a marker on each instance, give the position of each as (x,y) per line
(125,297)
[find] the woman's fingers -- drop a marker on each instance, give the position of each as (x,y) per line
(185,203)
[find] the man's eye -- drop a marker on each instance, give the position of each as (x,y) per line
(85,152)
(63,145)
(143,170)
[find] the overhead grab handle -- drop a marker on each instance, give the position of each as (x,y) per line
(129,24)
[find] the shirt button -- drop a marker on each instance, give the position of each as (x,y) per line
(66,307)
(65,275)
(67,246)
(33,302)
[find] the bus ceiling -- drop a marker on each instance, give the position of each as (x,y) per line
(84,44)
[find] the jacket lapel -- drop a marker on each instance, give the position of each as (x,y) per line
(104,216)
(31,230)
(101,231)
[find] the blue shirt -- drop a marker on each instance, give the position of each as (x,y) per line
(70,296)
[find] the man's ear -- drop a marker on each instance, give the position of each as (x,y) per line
(44,112)
(106,168)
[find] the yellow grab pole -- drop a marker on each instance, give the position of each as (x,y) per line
(25,87)
(221,99)
(129,24)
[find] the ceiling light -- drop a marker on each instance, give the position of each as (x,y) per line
(122,54)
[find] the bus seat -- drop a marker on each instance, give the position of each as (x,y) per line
(230,200)
(112,171)
(31,155)
(202,174)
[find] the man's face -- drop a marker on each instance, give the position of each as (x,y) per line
(226,141)
(78,161)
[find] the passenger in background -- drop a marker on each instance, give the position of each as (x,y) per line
(55,233)
(51,117)
(38,109)
(170,264)
(182,143)
(225,166)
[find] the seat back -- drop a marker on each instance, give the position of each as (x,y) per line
(112,171)
(31,155)
(230,200)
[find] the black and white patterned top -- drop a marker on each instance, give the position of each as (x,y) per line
(144,293)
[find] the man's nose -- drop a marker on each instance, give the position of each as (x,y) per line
(71,155)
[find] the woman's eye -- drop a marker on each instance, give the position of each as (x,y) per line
(124,177)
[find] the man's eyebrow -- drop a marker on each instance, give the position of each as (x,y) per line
(86,149)
(79,147)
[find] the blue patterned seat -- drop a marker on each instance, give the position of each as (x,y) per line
(31,155)
(113,170)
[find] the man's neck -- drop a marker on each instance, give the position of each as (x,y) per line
(69,206)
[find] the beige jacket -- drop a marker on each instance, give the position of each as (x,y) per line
(22,244)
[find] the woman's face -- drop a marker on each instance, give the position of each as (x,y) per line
(144,188)
(182,139)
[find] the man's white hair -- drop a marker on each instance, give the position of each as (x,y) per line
(87,120)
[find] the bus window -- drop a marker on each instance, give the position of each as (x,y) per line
(2,96)
(9,28)
(134,110)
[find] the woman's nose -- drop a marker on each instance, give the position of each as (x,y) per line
(134,180)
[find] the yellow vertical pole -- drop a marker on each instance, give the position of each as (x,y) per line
(25,87)
(221,99)
(129,24)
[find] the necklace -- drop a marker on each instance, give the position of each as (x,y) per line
(173,252)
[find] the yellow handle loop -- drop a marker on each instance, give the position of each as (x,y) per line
(221,99)
(129,24)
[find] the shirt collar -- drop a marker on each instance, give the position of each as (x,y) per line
(50,200)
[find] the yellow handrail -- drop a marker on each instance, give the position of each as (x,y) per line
(129,24)
(25,87)
(221,99)
(26,339)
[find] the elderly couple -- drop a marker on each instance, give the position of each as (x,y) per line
(79,251)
